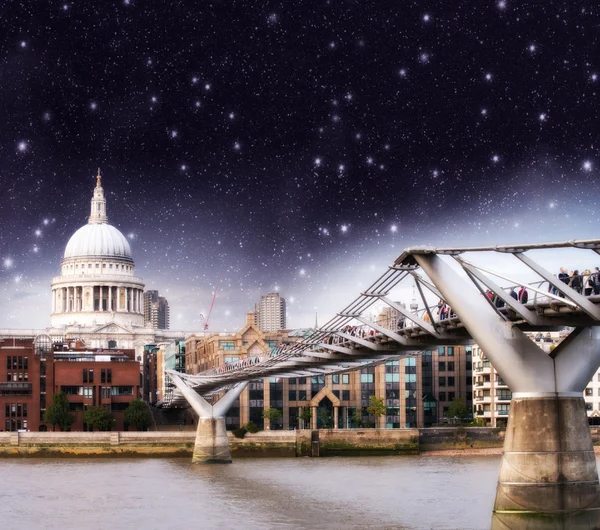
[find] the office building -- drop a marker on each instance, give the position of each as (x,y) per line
(270,313)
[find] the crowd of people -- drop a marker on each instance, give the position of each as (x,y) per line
(586,283)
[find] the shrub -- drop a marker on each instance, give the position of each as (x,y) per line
(251,427)
(240,433)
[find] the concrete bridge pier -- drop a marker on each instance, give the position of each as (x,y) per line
(211,445)
(548,477)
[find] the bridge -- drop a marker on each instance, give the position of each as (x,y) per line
(549,467)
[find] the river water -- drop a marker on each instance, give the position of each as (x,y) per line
(327,493)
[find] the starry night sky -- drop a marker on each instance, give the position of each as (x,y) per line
(292,146)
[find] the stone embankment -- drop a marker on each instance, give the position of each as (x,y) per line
(351,442)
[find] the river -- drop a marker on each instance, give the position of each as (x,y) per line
(408,492)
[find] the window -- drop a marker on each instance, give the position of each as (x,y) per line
(301,395)
(227,345)
(451,366)
(271,343)
(335,379)
(392,378)
(71,390)
(345,395)
(228,360)
(336,393)
(25,363)
(442,366)
(410,378)
(345,379)
(109,376)
(106,392)
(442,396)
(450,351)
(442,381)
(441,350)
(292,380)
(589,406)
(122,391)
(502,409)
(451,381)
(302,380)
(369,378)
(451,396)
(103,375)
(292,395)
(88,391)
(506,395)
(588,392)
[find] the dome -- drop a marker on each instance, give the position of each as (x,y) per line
(98,240)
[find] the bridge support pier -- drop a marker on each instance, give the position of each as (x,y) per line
(548,477)
(212,444)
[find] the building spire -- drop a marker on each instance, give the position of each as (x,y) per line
(98,206)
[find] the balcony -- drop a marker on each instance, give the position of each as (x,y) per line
(487,384)
(482,399)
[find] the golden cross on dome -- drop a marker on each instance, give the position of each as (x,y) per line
(98,177)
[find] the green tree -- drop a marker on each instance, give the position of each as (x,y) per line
(357,417)
(57,413)
(305,416)
(273,415)
(458,409)
(376,408)
(98,418)
(137,415)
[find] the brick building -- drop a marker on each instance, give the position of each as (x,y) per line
(32,370)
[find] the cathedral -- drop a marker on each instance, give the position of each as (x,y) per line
(97,298)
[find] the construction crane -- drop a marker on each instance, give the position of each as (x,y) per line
(203,320)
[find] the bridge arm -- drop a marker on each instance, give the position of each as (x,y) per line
(202,407)
(522,364)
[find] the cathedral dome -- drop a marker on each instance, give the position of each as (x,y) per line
(98,240)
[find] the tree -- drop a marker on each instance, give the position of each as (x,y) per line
(305,416)
(98,418)
(137,415)
(57,413)
(376,408)
(458,409)
(357,417)
(273,415)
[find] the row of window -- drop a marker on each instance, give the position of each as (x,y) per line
(443,366)
(14,410)
(503,394)
(15,425)
(105,375)
(88,391)
(303,395)
(89,266)
(17,376)
(450,380)
(17,362)
(446,350)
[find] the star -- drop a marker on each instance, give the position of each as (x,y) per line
(8,263)
(402,72)
(317,162)
(426,17)
(38,232)
(93,105)
(587,165)
(344,228)
(488,77)
(23,44)
(501,4)
(393,228)
(542,117)
(22,146)
(495,158)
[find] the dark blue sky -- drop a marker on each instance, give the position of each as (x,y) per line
(293,146)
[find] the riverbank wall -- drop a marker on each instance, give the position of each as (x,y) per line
(349,442)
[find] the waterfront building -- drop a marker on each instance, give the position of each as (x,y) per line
(32,371)
(157,314)
(270,313)
(169,356)
(410,387)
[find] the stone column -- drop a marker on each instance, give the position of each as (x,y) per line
(313,419)
(548,467)
(110,298)
(212,443)
(336,417)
